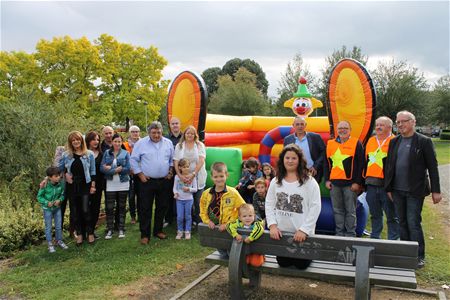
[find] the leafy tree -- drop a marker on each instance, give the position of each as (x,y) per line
(331,60)
(232,66)
(210,77)
(130,73)
(238,96)
(289,83)
(399,86)
(440,100)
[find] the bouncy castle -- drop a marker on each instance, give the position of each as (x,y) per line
(231,139)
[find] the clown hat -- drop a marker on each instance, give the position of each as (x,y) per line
(302,90)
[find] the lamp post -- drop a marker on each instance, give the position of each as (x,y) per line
(146,123)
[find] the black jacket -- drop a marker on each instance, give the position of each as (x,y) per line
(316,148)
(422,157)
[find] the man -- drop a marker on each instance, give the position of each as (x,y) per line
(410,156)
(343,176)
(108,133)
(175,131)
(312,145)
(133,195)
(151,161)
(376,155)
(175,136)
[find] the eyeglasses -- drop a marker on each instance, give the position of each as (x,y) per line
(398,122)
(343,128)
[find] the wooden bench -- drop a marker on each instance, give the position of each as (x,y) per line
(365,262)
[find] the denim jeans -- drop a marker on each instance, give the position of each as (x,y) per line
(409,211)
(344,210)
(184,215)
(378,202)
(49,215)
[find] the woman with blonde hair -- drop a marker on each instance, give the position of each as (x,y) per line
(192,149)
(78,165)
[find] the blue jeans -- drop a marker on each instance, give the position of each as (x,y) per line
(378,202)
(409,211)
(184,208)
(344,210)
(49,215)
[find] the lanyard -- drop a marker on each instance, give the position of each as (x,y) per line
(378,142)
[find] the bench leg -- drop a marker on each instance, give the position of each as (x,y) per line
(362,281)
(235,271)
(254,278)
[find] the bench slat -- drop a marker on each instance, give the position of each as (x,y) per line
(332,272)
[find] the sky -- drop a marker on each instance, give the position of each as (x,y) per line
(197,35)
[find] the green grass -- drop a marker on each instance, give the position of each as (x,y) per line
(442,148)
(93,270)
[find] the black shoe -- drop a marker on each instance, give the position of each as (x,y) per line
(420,263)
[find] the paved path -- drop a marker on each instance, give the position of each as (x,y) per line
(444,176)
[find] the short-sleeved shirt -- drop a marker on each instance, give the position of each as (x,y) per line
(402,165)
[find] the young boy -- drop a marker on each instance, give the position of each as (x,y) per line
(50,197)
(246,184)
(247,219)
(219,204)
(259,198)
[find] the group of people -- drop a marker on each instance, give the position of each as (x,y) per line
(169,172)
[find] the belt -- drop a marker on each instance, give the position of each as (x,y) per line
(158,179)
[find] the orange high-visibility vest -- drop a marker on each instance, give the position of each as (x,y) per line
(375,169)
(347,148)
(127,147)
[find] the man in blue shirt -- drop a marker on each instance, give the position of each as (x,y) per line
(312,145)
(151,161)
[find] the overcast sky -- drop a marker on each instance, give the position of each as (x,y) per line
(198,35)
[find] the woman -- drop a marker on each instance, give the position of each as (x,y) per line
(93,143)
(192,149)
(293,202)
(78,163)
(116,167)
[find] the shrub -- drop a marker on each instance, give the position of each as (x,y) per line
(445,134)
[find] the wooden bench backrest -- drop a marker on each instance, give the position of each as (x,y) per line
(386,253)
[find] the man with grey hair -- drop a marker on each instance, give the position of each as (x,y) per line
(376,155)
(151,161)
(411,159)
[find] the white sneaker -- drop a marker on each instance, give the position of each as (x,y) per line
(121,234)
(187,235)
(62,245)
(179,235)
(51,249)
(109,235)
(165,224)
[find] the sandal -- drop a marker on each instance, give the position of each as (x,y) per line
(91,239)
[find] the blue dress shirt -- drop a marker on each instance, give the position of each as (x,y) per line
(152,159)
(303,144)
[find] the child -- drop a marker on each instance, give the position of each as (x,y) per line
(219,204)
(268,173)
(247,220)
(259,199)
(50,197)
(293,202)
(183,193)
(246,184)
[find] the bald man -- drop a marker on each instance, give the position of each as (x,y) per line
(108,133)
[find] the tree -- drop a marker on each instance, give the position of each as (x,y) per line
(210,77)
(331,60)
(232,66)
(440,100)
(289,83)
(399,86)
(239,96)
(128,74)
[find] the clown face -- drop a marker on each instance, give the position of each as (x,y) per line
(302,107)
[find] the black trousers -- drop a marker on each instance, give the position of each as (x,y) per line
(81,214)
(153,191)
(116,203)
(171,212)
(95,203)
(297,262)
(134,197)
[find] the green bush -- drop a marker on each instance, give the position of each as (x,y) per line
(445,135)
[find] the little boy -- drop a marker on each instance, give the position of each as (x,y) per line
(259,198)
(219,204)
(50,197)
(246,184)
(247,219)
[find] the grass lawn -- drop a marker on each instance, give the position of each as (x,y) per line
(442,148)
(91,271)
